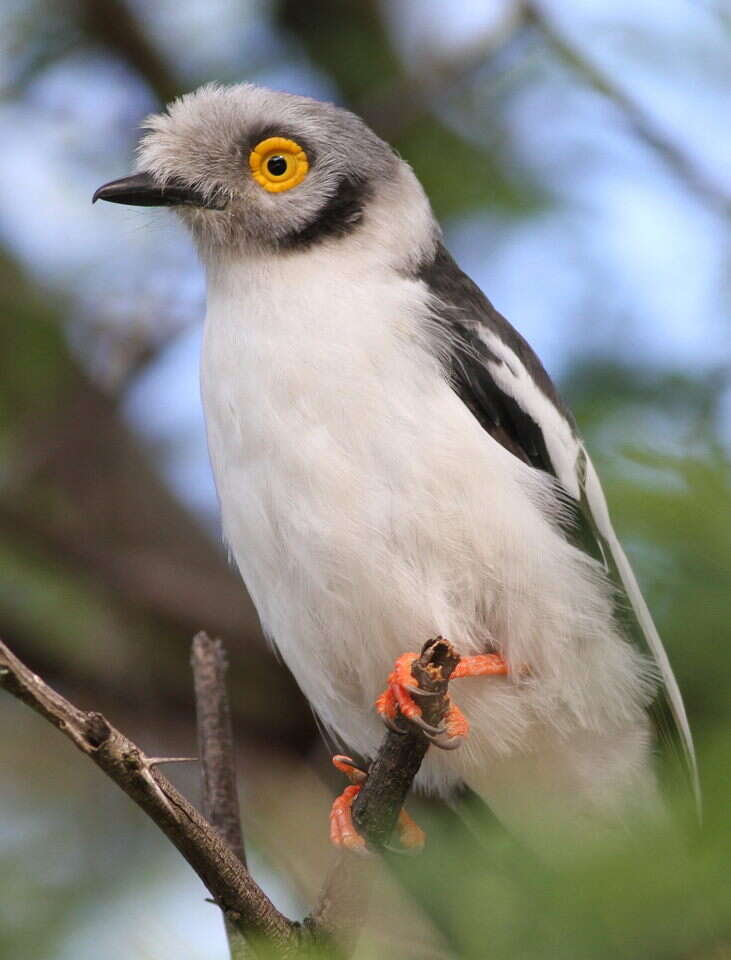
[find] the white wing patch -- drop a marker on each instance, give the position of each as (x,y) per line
(513,378)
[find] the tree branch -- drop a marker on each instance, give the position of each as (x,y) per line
(343,901)
(228,881)
(218,766)
(214,847)
(215,742)
(377,806)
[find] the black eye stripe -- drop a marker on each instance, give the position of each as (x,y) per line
(340,216)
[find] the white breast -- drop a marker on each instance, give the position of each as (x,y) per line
(368,511)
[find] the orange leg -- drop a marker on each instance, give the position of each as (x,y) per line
(342,829)
(396,699)
(483,665)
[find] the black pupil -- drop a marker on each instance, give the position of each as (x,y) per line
(277,166)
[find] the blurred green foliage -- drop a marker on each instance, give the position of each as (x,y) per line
(663,898)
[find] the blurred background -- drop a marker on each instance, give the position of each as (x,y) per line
(578,153)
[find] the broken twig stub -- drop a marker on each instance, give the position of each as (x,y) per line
(377,806)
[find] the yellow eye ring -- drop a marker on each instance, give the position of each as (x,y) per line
(278,164)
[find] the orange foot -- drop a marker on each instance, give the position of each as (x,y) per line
(397,700)
(342,829)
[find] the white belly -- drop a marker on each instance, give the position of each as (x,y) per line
(368,511)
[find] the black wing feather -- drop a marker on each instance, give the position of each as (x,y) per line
(463,308)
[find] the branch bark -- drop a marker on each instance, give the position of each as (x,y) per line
(377,806)
(228,881)
(220,798)
(343,901)
(215,742)
(214,846)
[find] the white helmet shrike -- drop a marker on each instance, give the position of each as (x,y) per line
(393,463)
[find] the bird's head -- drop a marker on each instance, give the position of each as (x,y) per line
(249,169)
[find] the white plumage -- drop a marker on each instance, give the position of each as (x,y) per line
(368,509)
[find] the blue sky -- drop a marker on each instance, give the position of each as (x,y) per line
(627,261)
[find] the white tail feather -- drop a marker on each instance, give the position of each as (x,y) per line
(597,504)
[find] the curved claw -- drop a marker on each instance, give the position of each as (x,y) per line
(445,742)
(355,773)
(455,732)
(428,729)
(392,725)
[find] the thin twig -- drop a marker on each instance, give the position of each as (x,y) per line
(377,806)
(215,742)
(228,881)
(338,918)
(342,905)
(218,765)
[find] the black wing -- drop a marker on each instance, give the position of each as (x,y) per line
(465,312)
(501,380)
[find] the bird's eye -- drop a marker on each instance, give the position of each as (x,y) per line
(278,164)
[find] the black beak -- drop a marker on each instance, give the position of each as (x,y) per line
(140,190)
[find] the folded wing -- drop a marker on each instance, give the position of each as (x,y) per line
(503,383)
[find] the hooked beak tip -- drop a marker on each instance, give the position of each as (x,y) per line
(141,190)
(138,190)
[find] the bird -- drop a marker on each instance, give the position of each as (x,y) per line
(393,462)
